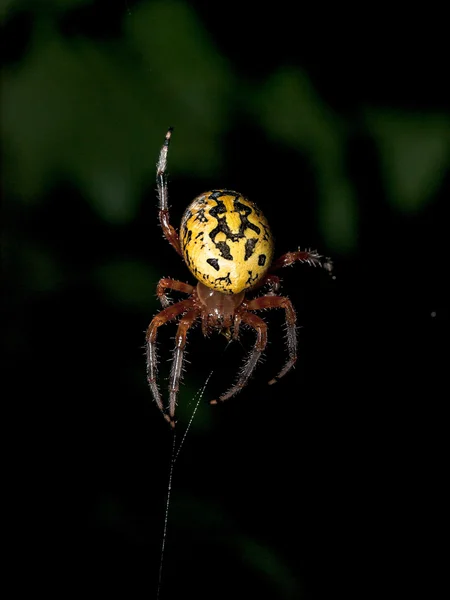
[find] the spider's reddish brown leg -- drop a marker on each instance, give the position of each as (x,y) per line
(169,231)
(312,258)
(177,365)
(166,315)
(272,281)
(261,340)
(171,284)
(291,331)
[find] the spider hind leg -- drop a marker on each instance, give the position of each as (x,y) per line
(265,302)
(249,366)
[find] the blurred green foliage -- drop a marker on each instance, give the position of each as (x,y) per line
(414,151)
(95,113)
(92,112)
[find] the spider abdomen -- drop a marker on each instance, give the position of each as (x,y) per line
(226,241)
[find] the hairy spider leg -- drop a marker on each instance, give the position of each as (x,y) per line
(265,302)
(171,284)
(168,314)
(261,340)
(169,231)
(177,364)
(272,281)
(312,258)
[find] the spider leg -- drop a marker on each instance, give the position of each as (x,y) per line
(265,302)
(169,231)
(273,281)
(312,258)
(171,284)
(177,365)
(261,340)
(166,315)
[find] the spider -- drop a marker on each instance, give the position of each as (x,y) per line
(226,242)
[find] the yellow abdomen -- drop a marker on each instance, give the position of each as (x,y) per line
(226,241)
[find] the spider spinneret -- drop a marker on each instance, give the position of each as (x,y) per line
(226,242)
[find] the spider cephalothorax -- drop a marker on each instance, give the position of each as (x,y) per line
(226,242)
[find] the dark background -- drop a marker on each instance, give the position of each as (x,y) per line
(329,483)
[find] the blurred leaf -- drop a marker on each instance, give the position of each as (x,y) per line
(212,520)
(290,109)
(414,152)
(338,212)
(264,559)
(191,83)
(8,6)
(76,124)
(97,113)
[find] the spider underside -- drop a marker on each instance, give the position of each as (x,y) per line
(217,311)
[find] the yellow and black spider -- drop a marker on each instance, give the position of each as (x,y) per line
(226,242)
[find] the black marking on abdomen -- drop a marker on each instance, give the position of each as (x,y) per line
(224,249)
(250,247)
(186,239)
(214,263)
(226,279)
(251,279)
(200,216)
(266,236)
(244,211)
(219,213)
(262,260)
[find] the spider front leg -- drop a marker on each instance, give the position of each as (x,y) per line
(166,315)
(171,284)
(265,302)
(261,341)
(311,257)
(169,231)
